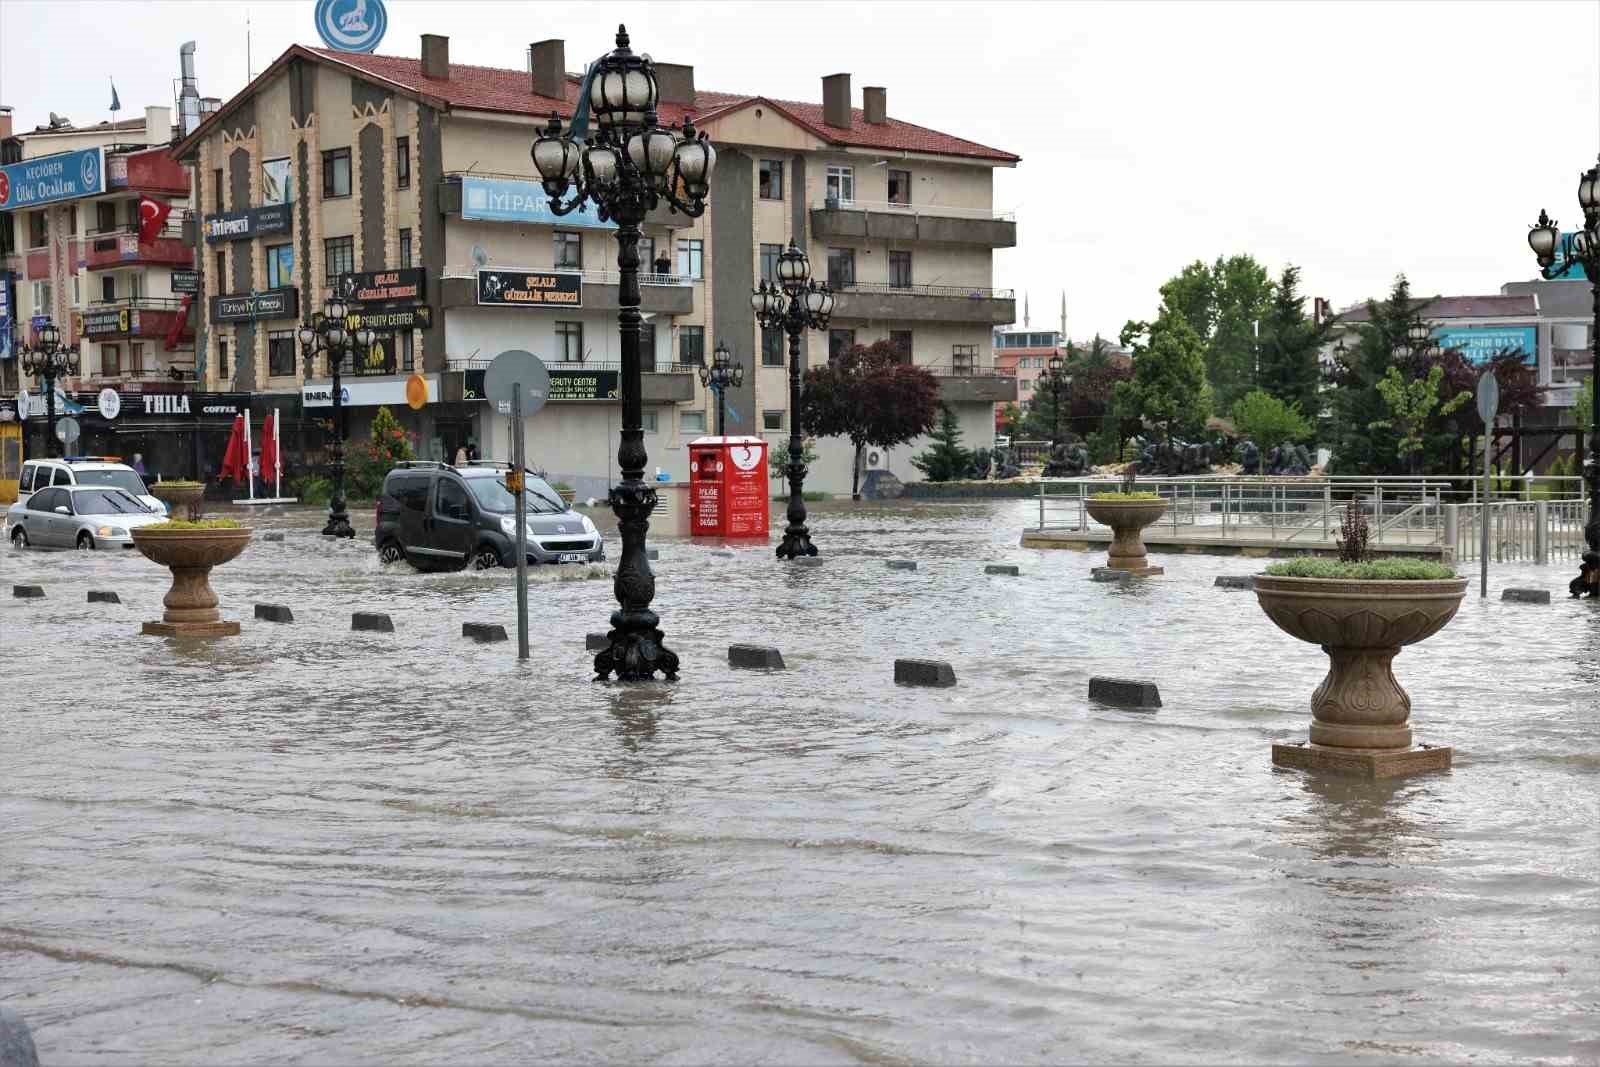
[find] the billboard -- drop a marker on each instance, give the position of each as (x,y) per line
(1481,343)
(517,200)
(251,222)
(48,179)
(527,288)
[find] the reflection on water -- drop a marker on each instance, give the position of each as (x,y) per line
(308,844)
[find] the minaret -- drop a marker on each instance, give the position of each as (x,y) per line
(1024,309)
(1063,317)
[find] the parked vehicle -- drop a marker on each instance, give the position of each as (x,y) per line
(439,516)
(79,516)
(84,470)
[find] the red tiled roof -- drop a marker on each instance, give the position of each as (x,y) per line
(1458,307)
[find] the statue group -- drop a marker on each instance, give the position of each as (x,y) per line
(1068,459)
(1171,458)
(996,464)
(1285,459)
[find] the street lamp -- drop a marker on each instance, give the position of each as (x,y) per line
(626,167)
(329,332)
(1057,466)
(50,360)
(1556,258)
(795,302)
(722,373)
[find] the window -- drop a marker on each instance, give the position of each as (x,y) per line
(77,294)
(841,184)
(280,353)
(772,348)
(339,254)
(899,187)
(221,279)
(405,248)
(569,342)
(839,343)
(216,189)
(105,216)
(651,421)
(963,358)
(901,340)
(692,345)
(136,358)
(899,270)
(770,179)
(647,347)
(130,214)
(135,286)
(72,220)
(692,421)
(408,350)
(691,258)
(110,360)
(647,256)
(108,287)
(772,420)
(769,262)
(1026,384)
(38,229)
(841,267)
(63,476)
(222,357)
(450,500)
(280,266)
(402,162)
(43,298)
(568,250)
(335,173)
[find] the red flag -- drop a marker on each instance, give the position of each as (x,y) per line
(152,215)
(180,323)
(269,446)
(235,464)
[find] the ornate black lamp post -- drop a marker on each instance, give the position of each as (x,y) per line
(626,167)
(722,373)
(329,332)
(49,360)
(1582,249)
(795,303)
(1059,384)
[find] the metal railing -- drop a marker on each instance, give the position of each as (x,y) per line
(964,292)
(482,363)
(139,303)
(938,211)
(967,370)
(1520,531)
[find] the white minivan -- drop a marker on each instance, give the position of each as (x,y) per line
(40,474)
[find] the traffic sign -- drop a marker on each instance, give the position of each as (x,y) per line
(110,404)
(1488,397)
(512,369)
(67,430)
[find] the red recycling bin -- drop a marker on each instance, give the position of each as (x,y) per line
(728,487)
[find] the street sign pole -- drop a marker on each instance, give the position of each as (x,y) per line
(520,488)
(1488,406)
(518,384)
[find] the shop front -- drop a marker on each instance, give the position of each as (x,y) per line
(174,434)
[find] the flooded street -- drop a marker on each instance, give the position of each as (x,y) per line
(304,845)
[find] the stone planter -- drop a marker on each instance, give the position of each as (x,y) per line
(1360,715)
(1126,519)
(190,555)
(567,495)
(175,495)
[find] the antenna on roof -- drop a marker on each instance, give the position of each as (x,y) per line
(249,68)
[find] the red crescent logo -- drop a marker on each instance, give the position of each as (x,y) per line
(148,209)
(5,188)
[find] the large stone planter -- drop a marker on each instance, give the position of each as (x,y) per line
(1127,518)
(175,495)
(190,554)
(1360,714)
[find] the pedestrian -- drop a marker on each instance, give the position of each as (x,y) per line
(663,265)
(138,464)
(461,456)
(472,449)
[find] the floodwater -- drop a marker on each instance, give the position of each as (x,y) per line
(305,845)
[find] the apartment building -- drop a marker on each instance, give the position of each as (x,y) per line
(408,183)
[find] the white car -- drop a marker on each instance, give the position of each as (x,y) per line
(79,516)
(40,474)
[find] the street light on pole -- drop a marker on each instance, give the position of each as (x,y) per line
(722,373)
(1556,257)
(1057,466)
(793,304)
(626,167)
(49,359)
(329,332)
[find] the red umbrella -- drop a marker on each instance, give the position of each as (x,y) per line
(235,464)
(269,446)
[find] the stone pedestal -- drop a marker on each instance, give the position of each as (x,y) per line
(1368,763)
(191,604)
(1127,518)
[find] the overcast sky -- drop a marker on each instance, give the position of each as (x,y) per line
(1353,139)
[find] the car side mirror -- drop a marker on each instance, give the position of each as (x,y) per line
(62,509)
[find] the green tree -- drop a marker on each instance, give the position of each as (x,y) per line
(1268,421)
(1585,410)
(1354,403)
(1290,347)
(1411,403)
(946,460)
(1039,421)
(1168,389)
(371,460)
(1011,420)
(778,458)
(871,397)
(1222,303)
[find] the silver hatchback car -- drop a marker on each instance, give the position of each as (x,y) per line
(79,516)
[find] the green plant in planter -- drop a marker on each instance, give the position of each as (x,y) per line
(1372,570)
(202,524)
(1118,495)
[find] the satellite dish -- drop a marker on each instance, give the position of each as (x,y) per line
(480,258)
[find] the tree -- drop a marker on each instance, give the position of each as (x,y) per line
(1451,441)
(1290,347)
(371,460)
(1268,421)
(1410,403)
(1039,421)
(1168,389)
(1354,402)
(1586,406)
(1222,304)
(1011,420)
(946,460)
(872,398)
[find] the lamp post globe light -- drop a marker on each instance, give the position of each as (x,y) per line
(794,303)
(1059,383)
(1556,258)
(329,332)
(49,359)
(722,373)
(628,165)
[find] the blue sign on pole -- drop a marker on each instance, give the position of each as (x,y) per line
(1479,344)
(515,200)
(1564,250)
(351,25)
(47,179)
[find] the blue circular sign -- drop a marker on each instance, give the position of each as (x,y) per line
(89,172)
(351,25)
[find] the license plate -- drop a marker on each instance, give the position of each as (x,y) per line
(570,557)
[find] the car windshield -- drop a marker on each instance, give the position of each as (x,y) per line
(493,495)
(126,480)
(107,502)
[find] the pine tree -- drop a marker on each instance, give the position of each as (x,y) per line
(1290,346)
(946,460)
(1168,389)
(1355,403)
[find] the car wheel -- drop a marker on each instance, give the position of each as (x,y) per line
(391,552)
(85,543)
(486,558)
(19,537)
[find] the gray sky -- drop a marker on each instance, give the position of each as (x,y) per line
(1353,139)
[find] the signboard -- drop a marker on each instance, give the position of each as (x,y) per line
(521,288)
(1488,397)
(728,487)
(68,430)
(351,25)
(128,246)
(364,393)
(107,321)
(1481,343)
(48,179)
(585,384)
(251,222)
(110,404)
(1564,250)
(277,185)
(512,371)
(403,286)
(272,304)
(185,281)
(117,171)
(383,320)
(195,405)
(519,200)
(5,314)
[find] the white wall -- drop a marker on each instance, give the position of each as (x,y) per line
(830,472)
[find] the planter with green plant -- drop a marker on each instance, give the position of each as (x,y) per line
(1362,612)
(566,492)
(189,549)
(1128,512)
(188,495)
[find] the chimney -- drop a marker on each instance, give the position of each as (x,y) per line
(875,104)
(157,125)
(189,98)
(5,121)
(675,83)
(836,101)
(435,56)
(547,63)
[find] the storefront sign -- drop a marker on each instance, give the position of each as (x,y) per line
(117,171)
(404,286)
(518,200)
(584,384)
(5,314)
(252,222)
(1479,344)
(109,321)
(185,281)
(364,393)
(128,247)
(520,288)
(47,179)
(419,317)
(272,304)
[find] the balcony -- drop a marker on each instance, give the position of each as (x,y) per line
(120,247)
(136,317)
(666,294)
(661,383)
(534,204)
(879,220)
(924,303)
(965,382)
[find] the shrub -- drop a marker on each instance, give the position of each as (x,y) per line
(1354,533)
(202,524)
(370,461)
(1111,495)
(1389,570)
(174,483)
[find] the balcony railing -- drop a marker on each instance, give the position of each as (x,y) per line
(482,363)
(942,211)
(593,277)
(968,292)
(141,303)
(963,369)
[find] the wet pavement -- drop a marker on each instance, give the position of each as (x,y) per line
(306,845)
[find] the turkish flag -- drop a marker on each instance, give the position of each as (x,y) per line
(152,215)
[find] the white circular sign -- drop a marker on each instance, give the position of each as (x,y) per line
(67,429)
(110,403)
